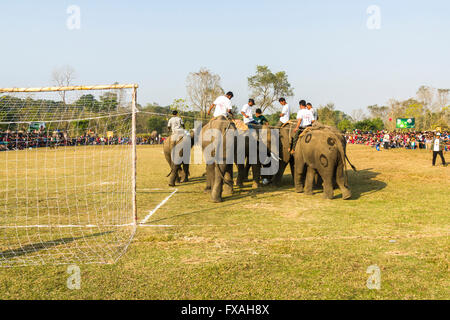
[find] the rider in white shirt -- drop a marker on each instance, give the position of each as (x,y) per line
(247,112)
(222,105)
(175,123)
(305,118)
(313,110)
(285,112)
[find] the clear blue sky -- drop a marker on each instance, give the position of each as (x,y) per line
(324,46)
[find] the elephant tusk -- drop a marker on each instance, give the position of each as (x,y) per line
(275,157)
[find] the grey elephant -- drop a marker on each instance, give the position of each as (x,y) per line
(179,172)
(254,134)
(219,171)
(321,150)
(286,158)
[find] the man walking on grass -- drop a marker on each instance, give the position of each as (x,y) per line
(438,149)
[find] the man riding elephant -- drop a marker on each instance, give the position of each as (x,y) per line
(177,150)
(286,133)
(219,170)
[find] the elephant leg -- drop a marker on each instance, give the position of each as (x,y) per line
(280,173)
(247,169)
(318,182)
(173,176)
(217,188)
(179,173)
(228,180)
(256,169)
(340,180)
(309,183)
(327,177)
(298,174)
(241,176)
(185,175)
(292,166)
(209,177)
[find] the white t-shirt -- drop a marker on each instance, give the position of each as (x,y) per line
(287,113)
(249,112)
(307,117)
(386,138)
(175,124)
(437,145)
(223,104)
(314,112)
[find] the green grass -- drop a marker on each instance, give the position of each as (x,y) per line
(274,243)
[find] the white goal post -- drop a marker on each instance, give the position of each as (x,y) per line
(67,174)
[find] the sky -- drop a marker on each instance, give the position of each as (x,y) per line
(325,46)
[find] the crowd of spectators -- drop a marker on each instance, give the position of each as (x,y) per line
(19,140)
(413,140)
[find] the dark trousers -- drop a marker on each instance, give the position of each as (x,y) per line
(441,154)
(297,135)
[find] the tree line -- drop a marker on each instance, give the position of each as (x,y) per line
(430,107)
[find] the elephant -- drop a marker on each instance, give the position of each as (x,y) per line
(286,158)
(178,172)
(219,173)
(321,150)
(244,167)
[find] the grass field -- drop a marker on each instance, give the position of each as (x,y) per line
(274,243)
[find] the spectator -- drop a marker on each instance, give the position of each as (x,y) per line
(438,148)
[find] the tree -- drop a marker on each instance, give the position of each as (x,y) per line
(425,94)
(109,101)
(267,87)
(369,125)
(378,112)
(359,115)
(345,125)
(179,105)
(63,77)
(443,97)
(329,116)
(203,87)
(157,124)
(88,102)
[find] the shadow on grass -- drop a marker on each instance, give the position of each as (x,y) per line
(35,247)
(229,201)
(363,182)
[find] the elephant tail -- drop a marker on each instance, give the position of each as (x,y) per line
(353,167)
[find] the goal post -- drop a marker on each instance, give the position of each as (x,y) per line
(67,174)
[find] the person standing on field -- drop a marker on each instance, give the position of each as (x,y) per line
(438,149)
(386,140)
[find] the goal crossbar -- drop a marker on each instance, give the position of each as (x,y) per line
(71,88)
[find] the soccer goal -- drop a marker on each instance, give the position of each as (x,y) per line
(67,174)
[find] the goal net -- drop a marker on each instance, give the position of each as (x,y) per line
(67,174)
